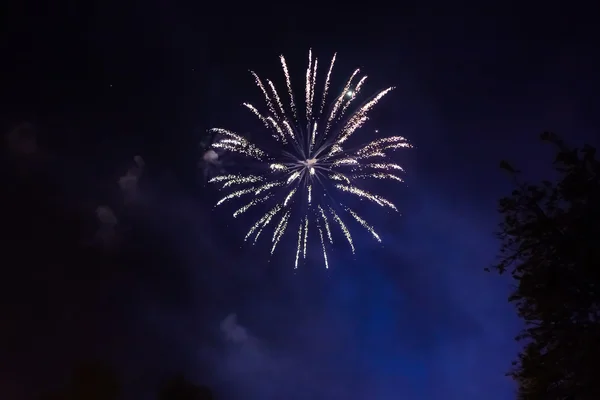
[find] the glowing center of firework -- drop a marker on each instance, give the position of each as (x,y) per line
(349,93)
(310,164)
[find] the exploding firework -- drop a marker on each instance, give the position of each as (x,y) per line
(298,183)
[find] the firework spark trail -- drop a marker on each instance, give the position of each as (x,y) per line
(307,88)
(324,249)
(311,160)
(312,84)
(262,88)
(378,175)
(339,100)
(288,83)
(359,118)
(277,100)
(280,230)
(313,137)
(326,223)
(343,227)
(265,220)
(298,246)
(240,180)
(354,95)
(305,236)
(251,204)
(365,224)
(258,114)
(326,88)
(280,135)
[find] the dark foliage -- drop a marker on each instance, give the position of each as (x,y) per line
(551,246)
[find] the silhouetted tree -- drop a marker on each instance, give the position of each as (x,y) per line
(551,245)
(179,388)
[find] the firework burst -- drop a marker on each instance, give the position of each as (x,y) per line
(312,165)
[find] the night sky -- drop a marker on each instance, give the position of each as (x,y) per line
(416,318)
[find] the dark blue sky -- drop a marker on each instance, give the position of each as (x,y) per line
(416,319)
